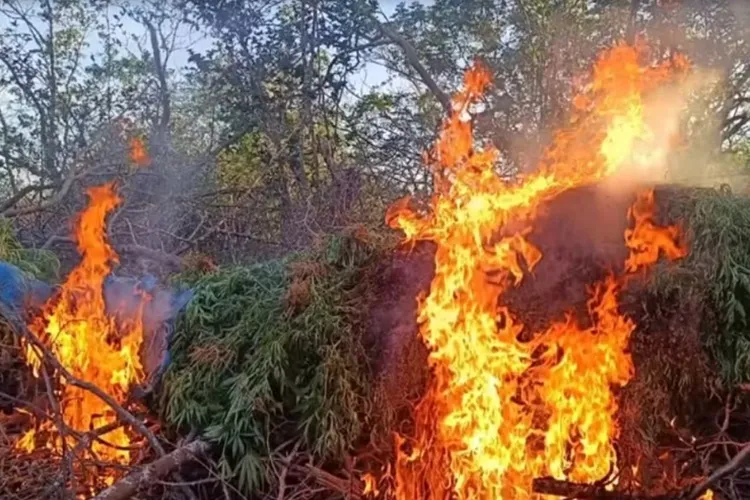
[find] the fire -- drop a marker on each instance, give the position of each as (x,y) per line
(647,241)
(138,154)
(371,485)
(501,411)
(88,342)
(578,371)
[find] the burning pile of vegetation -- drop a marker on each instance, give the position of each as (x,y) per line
(574,333)
(506,405)
(85,355)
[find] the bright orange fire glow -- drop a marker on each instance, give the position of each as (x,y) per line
(646,241)
(138,154)
(708,495)
(371,485)
(87,342)
(501,411)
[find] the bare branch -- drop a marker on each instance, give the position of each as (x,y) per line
(130,484)
(735,463)
(21,194)
(597,491)
(56,199)
(154,255)
(413,59)
(159,70)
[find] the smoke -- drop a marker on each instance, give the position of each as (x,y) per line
(684,119)
(128,299)
(659,156)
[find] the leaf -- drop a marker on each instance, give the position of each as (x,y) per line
(282,376)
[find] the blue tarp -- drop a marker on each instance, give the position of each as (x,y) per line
(19,291)
(123,298)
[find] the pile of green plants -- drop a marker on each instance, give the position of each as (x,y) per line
(715,275)
(691,346)
(41,264)
(269,357)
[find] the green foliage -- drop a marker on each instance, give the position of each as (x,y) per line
(719,267)
(741,154)
(242,165)
(269,354)
(40,263)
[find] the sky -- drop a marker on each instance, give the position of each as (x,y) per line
(372,75)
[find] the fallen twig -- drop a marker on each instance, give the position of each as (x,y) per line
(735,463)
(568,489)
(36,408)
(350,488)
(148,475)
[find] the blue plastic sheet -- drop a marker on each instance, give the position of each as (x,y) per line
(21,292)
(124,298)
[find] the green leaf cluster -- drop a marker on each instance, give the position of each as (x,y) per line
(41,264)
(270,354)
(718,266)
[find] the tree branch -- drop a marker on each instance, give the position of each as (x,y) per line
(734,124)
(166,110)
(413,59)
(735,463)
(596,491)
(13,200)
(154,255)
(56,199)
(148,475)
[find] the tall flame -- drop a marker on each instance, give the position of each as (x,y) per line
(88,342)
(501,411)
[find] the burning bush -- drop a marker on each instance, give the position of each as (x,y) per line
(545,351)
(718,269)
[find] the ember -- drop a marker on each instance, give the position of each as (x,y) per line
(138,154)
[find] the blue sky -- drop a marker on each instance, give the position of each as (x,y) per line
(135,33)
(371,75)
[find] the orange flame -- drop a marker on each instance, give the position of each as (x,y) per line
(501,411)
(138,154)
(87,342)
(646,241)
(371,485)
(708,495)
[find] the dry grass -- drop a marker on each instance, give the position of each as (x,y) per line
(673,389)
(211,356)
